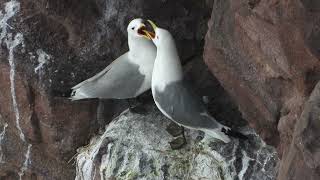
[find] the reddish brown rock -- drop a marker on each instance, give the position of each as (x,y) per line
(81,38)
(266,55)
(55,127)
(303,158)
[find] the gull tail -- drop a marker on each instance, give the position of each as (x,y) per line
(233,133)
(77,94)
(224,133)
(218,134)
(220,131)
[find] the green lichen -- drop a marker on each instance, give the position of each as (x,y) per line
(198,148)
(128,175)
(221,172)
(130,156)
(123,173)
(155,172)
(181,166)
(132,175)
(154,168)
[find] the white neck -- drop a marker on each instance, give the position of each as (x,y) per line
(137,44)
(167,67)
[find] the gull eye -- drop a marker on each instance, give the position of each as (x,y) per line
(132,28)
(157,37)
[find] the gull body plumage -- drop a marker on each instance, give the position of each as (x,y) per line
(126,77)
(172,94)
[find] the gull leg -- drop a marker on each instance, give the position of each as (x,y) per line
(178,132)
(100,115)
(129,104)
(183,135)
(174,129)
(138,109)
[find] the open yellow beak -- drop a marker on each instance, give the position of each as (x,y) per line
(154,26)
(143,31)
(151,35)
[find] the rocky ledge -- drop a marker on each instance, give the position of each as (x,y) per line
(265,54)
(137,146)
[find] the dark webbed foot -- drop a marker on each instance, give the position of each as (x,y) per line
(178,132)
(136,108)
(174,129)
(178,143)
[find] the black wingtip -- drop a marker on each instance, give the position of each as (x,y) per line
(73,93)
(234,134)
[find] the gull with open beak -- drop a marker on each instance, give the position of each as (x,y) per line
(172,94)
(126,77)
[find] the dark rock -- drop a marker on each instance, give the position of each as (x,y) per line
(266,55)
(303,158)
(54,135)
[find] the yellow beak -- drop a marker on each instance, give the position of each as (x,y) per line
(151,35)
(143,32)
(154,26)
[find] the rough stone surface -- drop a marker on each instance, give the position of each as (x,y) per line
(266,55)
(48,46)
(303,159)
(137,147)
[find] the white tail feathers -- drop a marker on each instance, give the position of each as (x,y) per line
(218,134)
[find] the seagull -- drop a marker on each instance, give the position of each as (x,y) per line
(173,95)
(126,77)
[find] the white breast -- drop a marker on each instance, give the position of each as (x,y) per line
(145,60)
(163,112)
(167,69)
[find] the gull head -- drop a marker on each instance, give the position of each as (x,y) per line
(160,37)
(137,28)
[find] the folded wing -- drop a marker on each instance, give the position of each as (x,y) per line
(120,80)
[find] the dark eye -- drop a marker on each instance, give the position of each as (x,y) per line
(157,37)
(132,28)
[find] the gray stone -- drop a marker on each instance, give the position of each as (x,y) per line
(137,147)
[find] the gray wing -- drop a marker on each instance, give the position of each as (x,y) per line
(119,80)
(183,106)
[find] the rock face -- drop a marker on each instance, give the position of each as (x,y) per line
(137,147)
(266,55)
(302,160)
(47,47)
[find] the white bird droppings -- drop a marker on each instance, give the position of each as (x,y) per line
(2,135)
(43,58)
(12,43)
(245,165)
(11,8)
(26,163)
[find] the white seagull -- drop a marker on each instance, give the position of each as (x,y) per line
(126,77)
(173,96)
